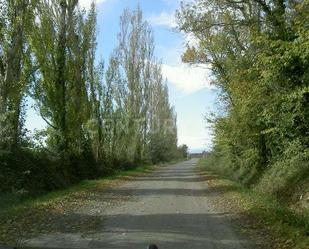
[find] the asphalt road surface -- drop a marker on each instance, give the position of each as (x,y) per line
(169,207)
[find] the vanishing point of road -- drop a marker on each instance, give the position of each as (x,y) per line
(169,207)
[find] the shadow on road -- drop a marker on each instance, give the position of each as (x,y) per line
(136,222)
(173,230)
(213,191)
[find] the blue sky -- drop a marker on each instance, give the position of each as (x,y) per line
(189,88)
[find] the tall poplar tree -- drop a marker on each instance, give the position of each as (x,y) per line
(16,17)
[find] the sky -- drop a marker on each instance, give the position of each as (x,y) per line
(190,90)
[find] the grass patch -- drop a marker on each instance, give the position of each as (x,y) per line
(288,228)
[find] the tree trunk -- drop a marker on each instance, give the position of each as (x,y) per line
(61,81)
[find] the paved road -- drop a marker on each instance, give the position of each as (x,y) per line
(168,207)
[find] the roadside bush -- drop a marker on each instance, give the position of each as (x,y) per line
(36,171)
(249,167)
(29,171)
(286,173)
(219,164)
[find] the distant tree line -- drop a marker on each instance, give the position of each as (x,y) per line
(98,120)
(258,52)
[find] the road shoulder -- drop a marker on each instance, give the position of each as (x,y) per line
(261,218)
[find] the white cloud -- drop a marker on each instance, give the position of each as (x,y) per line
(192,132)
(87,3)
(186,78)
(163,19)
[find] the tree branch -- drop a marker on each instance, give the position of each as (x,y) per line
(48,122)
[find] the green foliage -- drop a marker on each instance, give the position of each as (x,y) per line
(183,151)
(259,55)
(36,171)
(98,121)
(287,172)
(16,17)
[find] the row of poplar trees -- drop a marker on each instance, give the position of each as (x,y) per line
(97,119)
(258,51)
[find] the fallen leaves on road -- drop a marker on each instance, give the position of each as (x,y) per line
(64,215)
(78,212)
(227,199)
